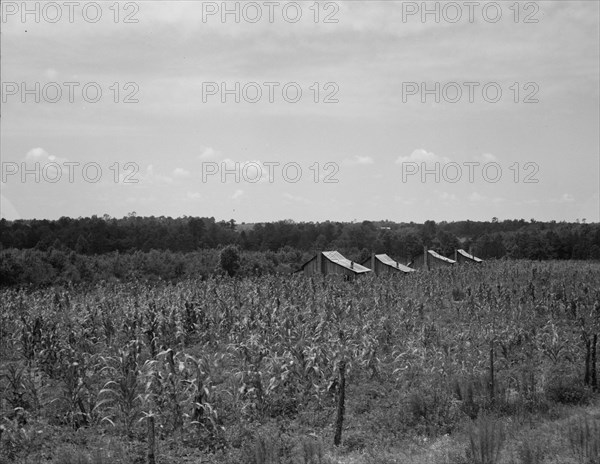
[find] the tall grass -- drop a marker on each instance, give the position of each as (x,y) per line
(486,438)
(584,438)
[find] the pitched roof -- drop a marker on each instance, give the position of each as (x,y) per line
(385,259)
(470,256)
(438,256)
(337,258)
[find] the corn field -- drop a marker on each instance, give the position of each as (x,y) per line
(205,365)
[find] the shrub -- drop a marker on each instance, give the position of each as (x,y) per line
(229,260)
(355,441)
(113,454)
(584,438)
(486,438)
(567,391)
(531,452)
(309,451)
(266,451)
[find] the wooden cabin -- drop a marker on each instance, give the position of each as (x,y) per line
(383,264)
(430,260)
(332,263)
(461,256)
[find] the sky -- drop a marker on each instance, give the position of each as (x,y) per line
(310,111)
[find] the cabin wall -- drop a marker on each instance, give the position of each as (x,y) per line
(462,259)
(312,267)
(384,269)
(321,265)
(420,262)
(331,268)
(435,263)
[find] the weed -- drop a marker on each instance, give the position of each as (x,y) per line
(486,438)
(584,439)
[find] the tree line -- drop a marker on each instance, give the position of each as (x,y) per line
(486,239)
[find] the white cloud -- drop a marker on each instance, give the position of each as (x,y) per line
(477,197)
(448,197)
(405,201)
(296,198)
(181,173)
(39,155)
(567,198)
(152,177)
(209,153)
(7,210)
(486,158)
(422,156)
(43,161)
(564,198)
(194,196)
(51,73)
(359,161)
(251,171)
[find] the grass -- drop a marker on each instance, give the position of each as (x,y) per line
(253,381)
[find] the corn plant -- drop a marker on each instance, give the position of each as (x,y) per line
(120,394)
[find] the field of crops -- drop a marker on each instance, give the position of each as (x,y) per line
(290,369)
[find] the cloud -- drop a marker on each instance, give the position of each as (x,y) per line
(251,171)
(359,161)
(476,197)
(405,201)
(486,158)
(44,162)
(422,156)
(7,210)
(194,196)
(567,198)
(447,197)
(39,155)
(209,153)
(237,194)
(152,177)
(51,73)
(564,198)
(296,198)
(181,173)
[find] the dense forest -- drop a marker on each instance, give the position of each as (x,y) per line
(104,248)
(495,239)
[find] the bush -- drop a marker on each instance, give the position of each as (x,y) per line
(433,411)
(229,260)
(355,441)
(531,452)
(309,451)
(568,391)
(584,438)
(114,454)
(486,438)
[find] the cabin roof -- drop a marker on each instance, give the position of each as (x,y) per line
(438,256)
(470,256)
(385,259)
(337,258)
